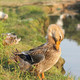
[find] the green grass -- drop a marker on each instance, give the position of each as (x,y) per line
(29,23)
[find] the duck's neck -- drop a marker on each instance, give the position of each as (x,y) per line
(50,40)
(60,22)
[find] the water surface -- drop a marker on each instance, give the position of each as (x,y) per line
(71,54)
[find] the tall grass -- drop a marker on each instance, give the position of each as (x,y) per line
(29,23)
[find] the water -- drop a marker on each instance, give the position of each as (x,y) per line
(71,54)
(70,48)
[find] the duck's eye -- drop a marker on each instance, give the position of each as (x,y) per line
(60,38)
(54,38)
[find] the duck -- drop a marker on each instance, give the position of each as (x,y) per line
(3,16)
(61,18)
(43,57)
(10,39)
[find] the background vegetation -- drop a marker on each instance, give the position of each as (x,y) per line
(30,23)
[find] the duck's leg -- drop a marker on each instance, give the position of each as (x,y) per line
(39,76)
(58,44)
(43,76)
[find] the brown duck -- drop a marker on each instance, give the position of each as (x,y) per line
(43,57)
(10,39)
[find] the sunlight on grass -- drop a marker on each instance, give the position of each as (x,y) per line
(30,23)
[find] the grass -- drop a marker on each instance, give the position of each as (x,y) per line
(29,23)
(11,3)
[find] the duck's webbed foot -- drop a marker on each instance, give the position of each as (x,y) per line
(39,76)
(43,76)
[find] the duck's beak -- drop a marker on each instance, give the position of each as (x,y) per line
(57,45)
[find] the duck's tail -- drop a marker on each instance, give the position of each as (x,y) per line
(24,65)
(15,56)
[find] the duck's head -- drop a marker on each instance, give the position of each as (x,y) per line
(3,16)
(6,16)
(55,34)
(63,16)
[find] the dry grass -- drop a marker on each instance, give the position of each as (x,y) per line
(14,3)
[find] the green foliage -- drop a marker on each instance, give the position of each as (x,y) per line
(55,74)
(78,78)
(2,30)
(26,24)
(29,23)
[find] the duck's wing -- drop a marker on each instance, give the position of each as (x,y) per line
(38,50)
(32,59)
(32,56)
(37,58)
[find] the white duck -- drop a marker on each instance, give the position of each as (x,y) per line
(60,20)
(3,16)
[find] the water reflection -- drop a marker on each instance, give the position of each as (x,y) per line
(71,54)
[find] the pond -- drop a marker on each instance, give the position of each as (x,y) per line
(70,45)
(71,54)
